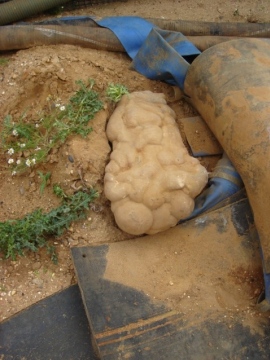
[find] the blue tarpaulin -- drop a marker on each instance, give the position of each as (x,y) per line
(157,54)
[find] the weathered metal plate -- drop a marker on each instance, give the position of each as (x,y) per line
(185,293)
(52,329)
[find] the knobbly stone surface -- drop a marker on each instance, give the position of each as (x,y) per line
(151,180)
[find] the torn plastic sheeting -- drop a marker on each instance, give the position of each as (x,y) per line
(131,31)
(224,182)
(134,31)
(169,61)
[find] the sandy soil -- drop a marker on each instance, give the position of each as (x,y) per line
(29,77)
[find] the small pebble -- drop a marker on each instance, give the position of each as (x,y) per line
(70,158)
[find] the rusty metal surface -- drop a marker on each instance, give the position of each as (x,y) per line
(199,28)
(25,36)
(172,293)
(205,42)
(80,4)
(229,84)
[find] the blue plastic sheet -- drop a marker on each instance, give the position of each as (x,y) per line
(220,187)
(163,56)
(157,54)
(131,31)
(266,277)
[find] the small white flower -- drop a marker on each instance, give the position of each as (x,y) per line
(62,108)
(15,132)
(28,162)
(13,173)
(22,145)
(18,162)
(10,161)
(33,161)
(37,125)
(57,105)
(10,151)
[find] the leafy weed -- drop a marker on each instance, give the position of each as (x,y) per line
(33,231)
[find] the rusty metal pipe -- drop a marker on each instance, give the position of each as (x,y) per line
(229,84)
(15,37)
(204,28)
(19,9)
(205,42)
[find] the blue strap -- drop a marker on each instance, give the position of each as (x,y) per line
(157,54)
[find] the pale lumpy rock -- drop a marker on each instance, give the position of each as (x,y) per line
(151,180)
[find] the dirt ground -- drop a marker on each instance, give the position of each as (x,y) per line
(29,77)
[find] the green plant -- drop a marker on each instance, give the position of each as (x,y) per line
(44,179)
(58,191)
(32,231)
(29,143)
(3,288)
(236,12)
(116,91)
(3,61)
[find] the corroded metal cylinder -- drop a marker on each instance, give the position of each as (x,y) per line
(15,10)
(229,85)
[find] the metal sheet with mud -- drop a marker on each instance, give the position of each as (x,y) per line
(152,298)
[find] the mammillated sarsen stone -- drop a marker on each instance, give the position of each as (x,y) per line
(151,180)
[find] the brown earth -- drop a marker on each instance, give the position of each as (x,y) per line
(25,83)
